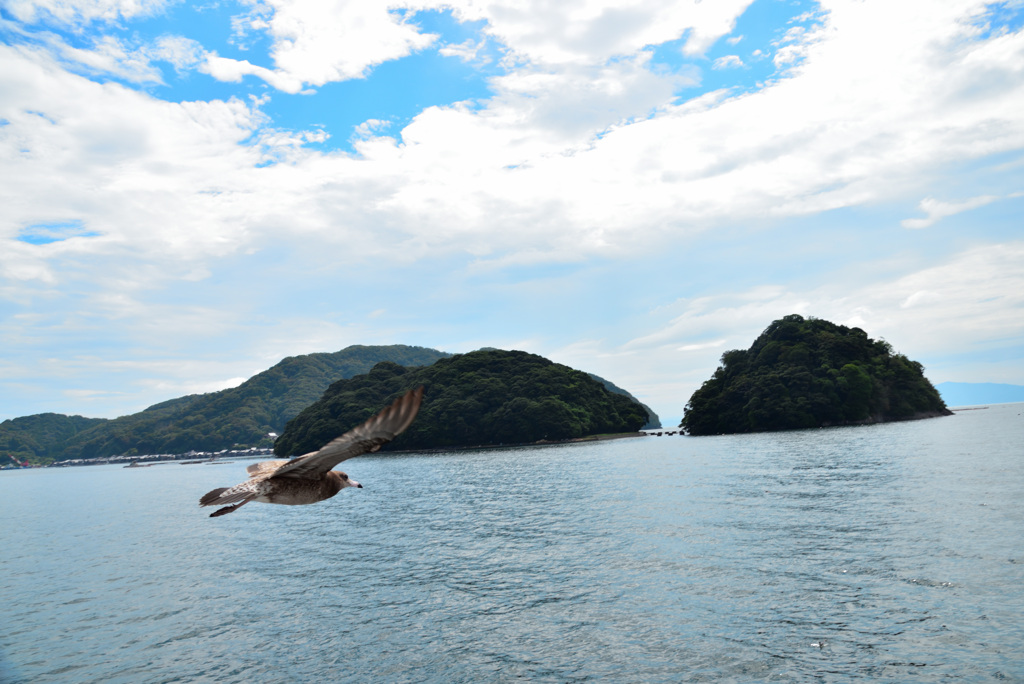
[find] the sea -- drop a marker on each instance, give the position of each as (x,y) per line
(882,553)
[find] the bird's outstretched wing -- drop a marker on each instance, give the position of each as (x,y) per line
(369,436)
(264,467)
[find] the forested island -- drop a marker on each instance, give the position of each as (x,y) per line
(804,373)
(486,397)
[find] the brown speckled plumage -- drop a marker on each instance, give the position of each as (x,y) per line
(308,478)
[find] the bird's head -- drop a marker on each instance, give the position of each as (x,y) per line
(346,481)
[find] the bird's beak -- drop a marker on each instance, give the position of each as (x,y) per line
(353,483)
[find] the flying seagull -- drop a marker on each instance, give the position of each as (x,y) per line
(309,478)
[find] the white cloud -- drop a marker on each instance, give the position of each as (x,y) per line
(466,51)
(371,127)
(841,132)
(183,388)
(143,174)
(937,210)
(74,12)
(794,46)
(919,298)
(957,308)
(228,69)
(106,56)
(317,41)
(727,62)
(700,346)
(314,42)
(166,386)
(111,56)
(594,31)
(256,20)
(180,52)
(595,151)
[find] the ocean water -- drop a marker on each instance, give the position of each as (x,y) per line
(879,553)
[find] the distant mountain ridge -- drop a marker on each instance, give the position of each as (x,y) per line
(653,421)
(242,415)
(976,393)
(34,438)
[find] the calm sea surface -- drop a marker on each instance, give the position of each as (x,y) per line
(884,553)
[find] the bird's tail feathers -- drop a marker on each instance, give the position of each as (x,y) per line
(226,495)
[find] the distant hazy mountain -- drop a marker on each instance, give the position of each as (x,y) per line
(240,416)
(653,421)
(974,393)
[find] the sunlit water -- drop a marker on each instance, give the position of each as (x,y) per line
(883,553)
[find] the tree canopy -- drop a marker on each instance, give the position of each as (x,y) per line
(35,438)
(802,373)
(653,421)
(486,397)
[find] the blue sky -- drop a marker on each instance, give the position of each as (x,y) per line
(194,191)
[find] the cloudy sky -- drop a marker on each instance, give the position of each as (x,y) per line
(193,191)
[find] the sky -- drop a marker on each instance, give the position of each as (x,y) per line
(193,191)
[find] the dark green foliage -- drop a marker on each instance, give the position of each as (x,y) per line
(653,421)
(802,373)
(35,438)
(485,397)
(238,417)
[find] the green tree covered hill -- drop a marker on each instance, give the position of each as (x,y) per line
(240,416)
(484,397)
(653,421)
(802,373)
(34,438)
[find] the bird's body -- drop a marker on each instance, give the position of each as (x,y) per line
(264,488)
(309,478)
